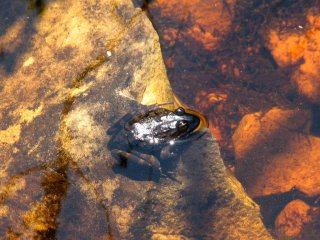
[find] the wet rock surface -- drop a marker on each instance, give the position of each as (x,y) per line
(275,153)
(89,63)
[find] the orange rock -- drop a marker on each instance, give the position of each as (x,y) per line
(291,222)
(274,153)
(301,49)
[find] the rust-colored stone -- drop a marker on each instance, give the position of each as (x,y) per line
(300,49)
(294,219)
(274,153)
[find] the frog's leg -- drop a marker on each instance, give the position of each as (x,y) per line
(119,124)
(149,159)
(166,152)
(141,159)
(171,176)
(136,157)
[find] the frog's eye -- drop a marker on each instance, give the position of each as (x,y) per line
(182,125)
(180,111)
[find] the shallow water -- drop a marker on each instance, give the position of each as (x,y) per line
(228,59)
(58,98)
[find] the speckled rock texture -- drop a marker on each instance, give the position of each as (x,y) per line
(85,65)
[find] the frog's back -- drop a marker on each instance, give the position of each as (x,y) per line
(148,116)
(162,126)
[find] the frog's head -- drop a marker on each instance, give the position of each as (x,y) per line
(186,123)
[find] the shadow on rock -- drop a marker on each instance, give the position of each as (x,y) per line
(17,28)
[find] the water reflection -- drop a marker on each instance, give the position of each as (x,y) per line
(236,68)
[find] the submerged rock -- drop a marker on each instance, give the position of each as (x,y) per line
(295,220)
(275,153)
(89,63)
(298,50)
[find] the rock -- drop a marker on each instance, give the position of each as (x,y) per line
(299,49)
(216,212)
(89,63)
(295,219)
(71,50)
(275,153)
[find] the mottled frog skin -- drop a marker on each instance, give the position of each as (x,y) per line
(150,142)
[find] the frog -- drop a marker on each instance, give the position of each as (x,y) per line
(151,141)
